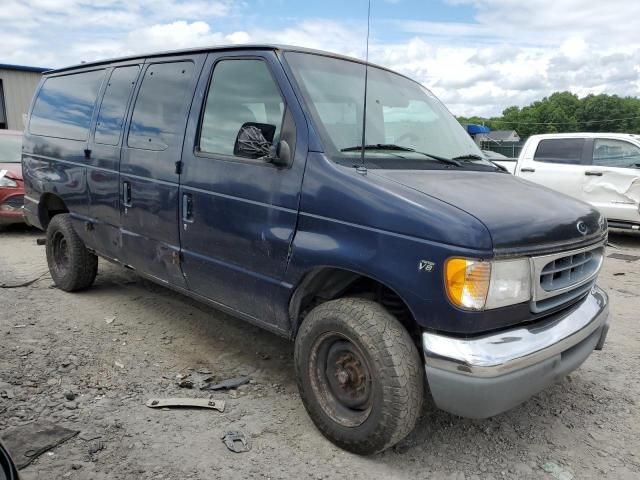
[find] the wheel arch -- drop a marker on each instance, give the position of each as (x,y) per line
(49,206)
(325,283)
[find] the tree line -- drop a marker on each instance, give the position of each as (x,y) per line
(566,112)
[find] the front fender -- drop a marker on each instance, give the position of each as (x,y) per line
(409,266)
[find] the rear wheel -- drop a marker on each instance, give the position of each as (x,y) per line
(359,375)
(71,265)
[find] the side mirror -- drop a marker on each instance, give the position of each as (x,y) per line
(254,140)
(282,154)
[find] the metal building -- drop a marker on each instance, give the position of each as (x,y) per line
(17,85)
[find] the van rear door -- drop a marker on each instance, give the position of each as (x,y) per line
(239,211)
(149,177)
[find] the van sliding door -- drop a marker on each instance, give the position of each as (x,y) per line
(103,158)
(149,173)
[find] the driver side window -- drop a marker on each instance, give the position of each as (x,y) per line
(240,92)
(615,153)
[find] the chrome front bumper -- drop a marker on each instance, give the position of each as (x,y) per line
(483,376)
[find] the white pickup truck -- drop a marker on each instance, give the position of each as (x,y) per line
(602,169)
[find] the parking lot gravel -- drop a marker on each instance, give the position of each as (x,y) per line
(90,361)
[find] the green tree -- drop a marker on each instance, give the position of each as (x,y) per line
(566,112)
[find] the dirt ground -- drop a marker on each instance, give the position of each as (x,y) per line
(54,342)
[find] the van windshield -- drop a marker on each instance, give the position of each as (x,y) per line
(405,121)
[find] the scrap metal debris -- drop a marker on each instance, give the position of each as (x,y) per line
(96,447)
(228,384)
(28,442)
(185,383)
(236,442)
(186,402)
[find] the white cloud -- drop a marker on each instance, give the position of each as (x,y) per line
(513,52)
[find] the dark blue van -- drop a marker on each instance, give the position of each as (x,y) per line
(403,265)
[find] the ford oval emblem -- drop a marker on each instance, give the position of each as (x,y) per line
(582,227)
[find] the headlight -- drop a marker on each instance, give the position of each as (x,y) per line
(7,182)
(480,285)
(510,283)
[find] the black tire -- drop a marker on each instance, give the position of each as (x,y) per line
(71,265)
(359,374)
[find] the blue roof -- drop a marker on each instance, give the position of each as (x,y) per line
(473,129)
(22,68)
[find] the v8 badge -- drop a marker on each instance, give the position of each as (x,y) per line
(425,266)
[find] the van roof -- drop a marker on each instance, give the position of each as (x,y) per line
(219,48)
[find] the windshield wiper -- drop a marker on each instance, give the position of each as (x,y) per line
(400,148)
(449,161)
(473,156)
(379,146)
(470,156)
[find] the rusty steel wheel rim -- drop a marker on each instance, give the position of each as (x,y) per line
(60,249)
(341,379)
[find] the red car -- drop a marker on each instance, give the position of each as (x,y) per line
(11,185)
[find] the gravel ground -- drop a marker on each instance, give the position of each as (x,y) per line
(588,426)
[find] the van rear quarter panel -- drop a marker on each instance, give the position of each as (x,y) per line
(56,166)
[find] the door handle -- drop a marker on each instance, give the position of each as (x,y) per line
(187,207)
(126,194)
(528,170)
(593,174)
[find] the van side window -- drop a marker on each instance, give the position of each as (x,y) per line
(241,91)
(560,150)
(157,116)
(114,105)
(615,153)
(65,105)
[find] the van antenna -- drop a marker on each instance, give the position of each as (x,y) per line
(366,75)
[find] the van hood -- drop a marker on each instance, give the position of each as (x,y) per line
(519,214)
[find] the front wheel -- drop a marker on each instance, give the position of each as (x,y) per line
(359,375)
(71,265)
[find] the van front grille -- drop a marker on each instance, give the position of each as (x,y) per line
(565,276)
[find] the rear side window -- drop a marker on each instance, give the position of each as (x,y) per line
(241,91)
(65,105)
(615,153)
(158,115)
(560,150)
(114,105)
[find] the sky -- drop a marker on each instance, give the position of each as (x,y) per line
(477,56)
